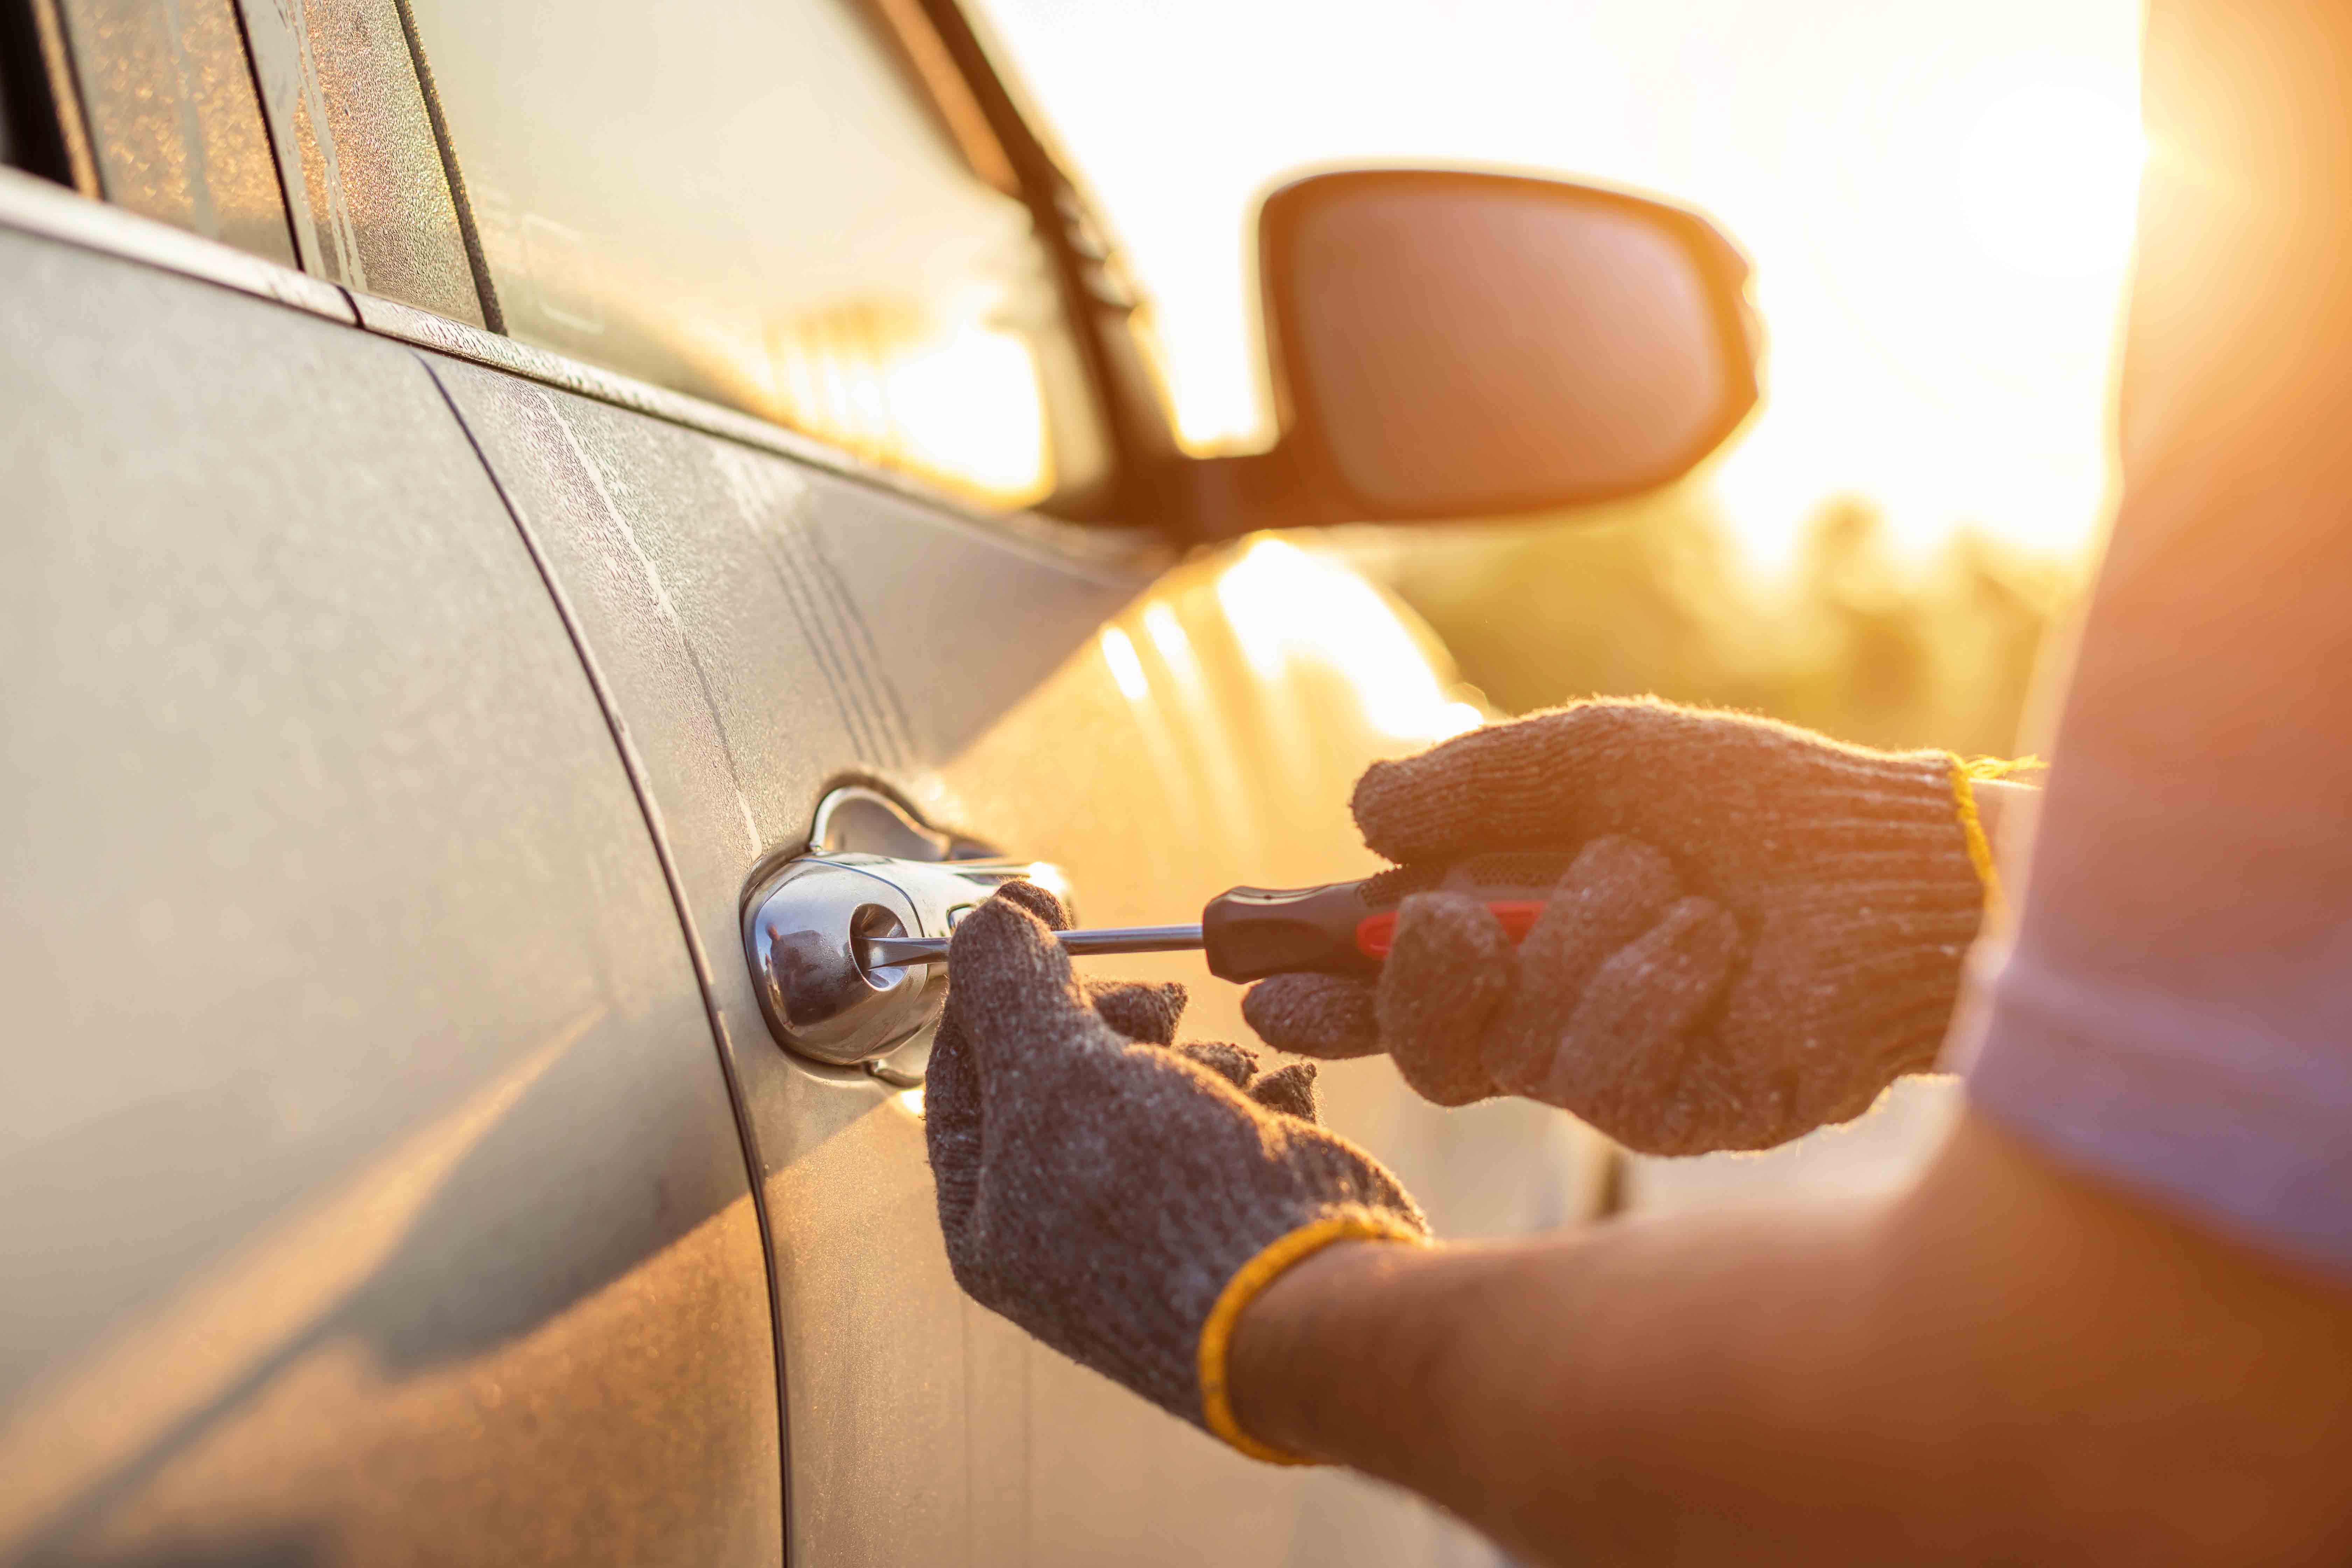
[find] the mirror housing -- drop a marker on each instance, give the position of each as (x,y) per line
(1450,344)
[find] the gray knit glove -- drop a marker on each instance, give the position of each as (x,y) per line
(1119,1197)
(1760,928)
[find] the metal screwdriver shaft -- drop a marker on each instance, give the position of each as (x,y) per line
(889,952)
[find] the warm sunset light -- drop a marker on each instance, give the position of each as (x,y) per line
(2046,175)
(1938,198)
(958,402)
(1285,604)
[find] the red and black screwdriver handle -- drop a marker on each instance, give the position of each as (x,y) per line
(1348,927)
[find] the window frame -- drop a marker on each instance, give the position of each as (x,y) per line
(1098,291)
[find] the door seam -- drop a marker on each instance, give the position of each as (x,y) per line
(641,785)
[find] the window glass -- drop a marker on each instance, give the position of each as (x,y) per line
(173,122)
(755,201)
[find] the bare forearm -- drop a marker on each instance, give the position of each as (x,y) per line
(1990,1367)
(1590,1395)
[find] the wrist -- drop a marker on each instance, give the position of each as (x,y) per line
(1279,1362)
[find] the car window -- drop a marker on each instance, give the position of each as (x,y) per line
(175,128)
(294,129)
(759,204)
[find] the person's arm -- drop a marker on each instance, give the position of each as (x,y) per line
(2004,1363)
(2006,808)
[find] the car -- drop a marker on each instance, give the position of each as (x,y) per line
(495,485)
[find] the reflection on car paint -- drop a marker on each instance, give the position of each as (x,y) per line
(1286,603)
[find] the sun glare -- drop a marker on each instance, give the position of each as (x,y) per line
(956,400)
(1285,604)
(1941,295)
(2047,174)
(1119,652)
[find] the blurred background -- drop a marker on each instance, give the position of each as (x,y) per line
(1937,200)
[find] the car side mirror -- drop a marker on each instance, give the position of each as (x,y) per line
(1453,344)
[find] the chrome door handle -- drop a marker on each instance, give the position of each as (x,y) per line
(804,925)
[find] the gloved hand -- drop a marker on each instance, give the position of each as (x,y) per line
(1122,1198)
(1761,927)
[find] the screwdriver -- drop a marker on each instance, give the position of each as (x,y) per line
(1337,928)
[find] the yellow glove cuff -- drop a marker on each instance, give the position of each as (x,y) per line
(1248,1281)
(1964,804)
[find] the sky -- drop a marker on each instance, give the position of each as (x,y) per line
(1937,199)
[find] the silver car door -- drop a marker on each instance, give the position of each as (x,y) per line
(707,578)
(758,205)
(369,1188)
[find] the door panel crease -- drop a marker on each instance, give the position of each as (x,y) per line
(880,693)
(838,636)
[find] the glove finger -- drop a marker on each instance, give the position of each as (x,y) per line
(1011,995)
(1290,1090)
(1038,900)
(1235,1063)
(954,1136)
(1625,1062)
(1145,1011)
(1324,1015)
(1615,889)
(1507,785)
(1449,971)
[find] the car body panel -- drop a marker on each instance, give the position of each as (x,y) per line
(372,1186)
